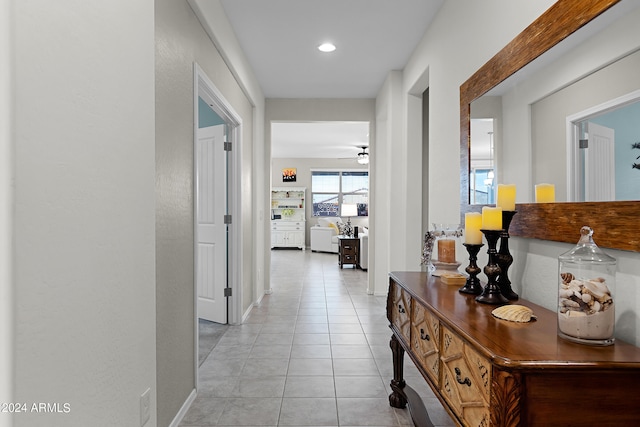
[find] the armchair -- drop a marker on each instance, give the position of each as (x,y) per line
(324,236)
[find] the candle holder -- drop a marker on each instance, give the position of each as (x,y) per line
(504,257)
(446,262)
(472,286)
(491,293)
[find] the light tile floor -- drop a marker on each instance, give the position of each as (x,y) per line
(314,353)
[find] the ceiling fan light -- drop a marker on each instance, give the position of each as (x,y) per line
(363,158)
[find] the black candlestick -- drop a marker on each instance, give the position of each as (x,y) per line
(491,293)
(472,286)
(504,257)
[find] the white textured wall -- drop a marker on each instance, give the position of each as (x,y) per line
(181,40)
(6,192)
(387,254)
(255,155)
(84,210)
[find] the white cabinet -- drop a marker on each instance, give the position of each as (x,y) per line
(288,223)
(286,234)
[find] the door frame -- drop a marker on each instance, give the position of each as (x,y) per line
(204,88)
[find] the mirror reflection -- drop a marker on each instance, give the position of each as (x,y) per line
(482,173)
(541,117)
(607,144)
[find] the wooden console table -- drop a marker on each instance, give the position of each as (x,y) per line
(490,372)
(349,251)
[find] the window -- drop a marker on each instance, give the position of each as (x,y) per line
(330,189)
(482,191)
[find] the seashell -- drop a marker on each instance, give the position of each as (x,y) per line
(565,293)
(575,285)
(567,277)
(576,314)
(514,313)
(596,306)
(600,285)
(569,303)
(586,298)
(595,290)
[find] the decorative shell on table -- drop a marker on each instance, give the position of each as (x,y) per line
(514,313)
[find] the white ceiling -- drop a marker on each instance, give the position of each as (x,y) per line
(319,139)
(280,39)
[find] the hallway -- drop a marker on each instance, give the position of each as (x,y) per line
(314,353)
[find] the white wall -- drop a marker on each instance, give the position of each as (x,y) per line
(182,40)
(387,254)
(256,154)
(84,210)
(6,195)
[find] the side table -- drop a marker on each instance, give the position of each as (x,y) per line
(349,251)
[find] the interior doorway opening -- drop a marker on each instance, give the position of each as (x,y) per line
(329,158)
(217,239)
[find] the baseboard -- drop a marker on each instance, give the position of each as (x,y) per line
(183,410)
(247,313)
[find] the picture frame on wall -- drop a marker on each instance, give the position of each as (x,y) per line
(289,175)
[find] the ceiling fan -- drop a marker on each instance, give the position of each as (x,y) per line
(363,156)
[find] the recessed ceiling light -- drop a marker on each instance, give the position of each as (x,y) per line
(327,47)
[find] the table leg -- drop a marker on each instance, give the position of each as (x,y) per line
(397,398)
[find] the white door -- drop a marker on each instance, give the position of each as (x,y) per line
(211,230)
(599,162)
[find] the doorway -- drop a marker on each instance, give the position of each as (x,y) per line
(331,160)
(217,243)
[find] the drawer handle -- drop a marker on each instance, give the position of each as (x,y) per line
(466,381)
(424,336)
(401,308)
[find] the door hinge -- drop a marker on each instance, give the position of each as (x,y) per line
(227,219)
(227,146)
(227,292)
(583,143)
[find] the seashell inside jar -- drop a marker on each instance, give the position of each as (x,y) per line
(586,310)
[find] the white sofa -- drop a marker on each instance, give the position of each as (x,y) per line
(324,235)
(364,250)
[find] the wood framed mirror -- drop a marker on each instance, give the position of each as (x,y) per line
(613,221)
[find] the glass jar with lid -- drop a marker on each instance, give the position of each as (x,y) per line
(586,285)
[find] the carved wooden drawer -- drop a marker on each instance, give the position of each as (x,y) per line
(400,311)
(466,380)
(425,340)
